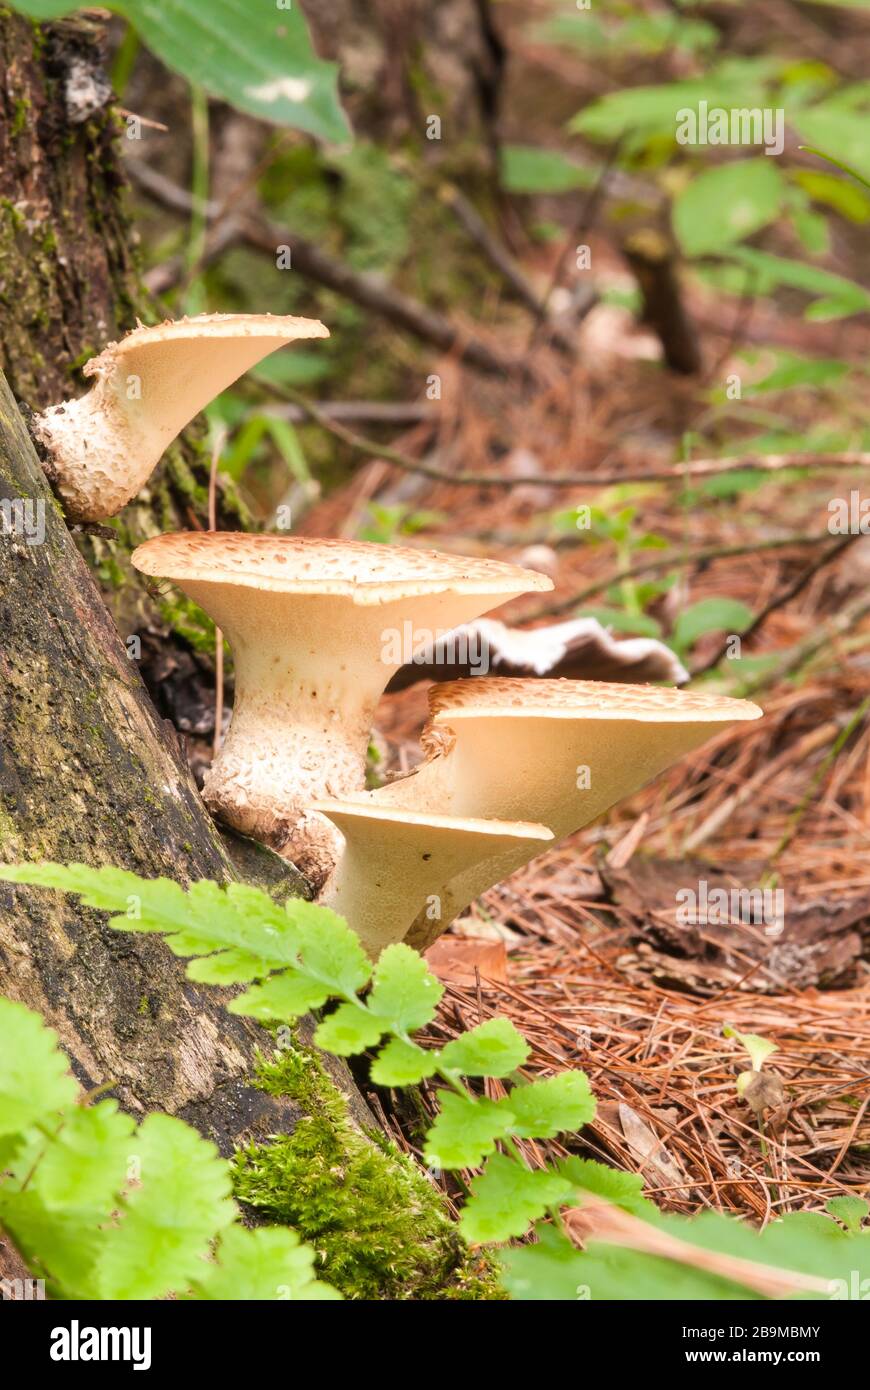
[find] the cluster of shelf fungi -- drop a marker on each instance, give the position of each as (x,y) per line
(510,765)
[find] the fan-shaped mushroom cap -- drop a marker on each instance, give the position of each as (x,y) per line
(559,752)
(396,863)
(317,629)
(103,447)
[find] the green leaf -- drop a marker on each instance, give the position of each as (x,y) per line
(550,1271)
(401,1063)
(257,57)
(759,1048)
(852,1211)
(61,1247)
(621,621)
(282,997)
(168,1221)
(465,1130)
(530,169)
(840,296)
(494,1048)
(225,968)
(623,1189)
(724,205)
(826,126)
(267,1265)
(83,1166)
(506,1198)
(836,193)
(544,1109)
(205,918)
(35,1080)
(331,952)
(710,615)
(793,370)
(404,990)
(350,1029)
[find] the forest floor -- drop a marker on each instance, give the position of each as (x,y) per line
(582,949)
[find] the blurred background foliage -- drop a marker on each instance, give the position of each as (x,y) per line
(556,124)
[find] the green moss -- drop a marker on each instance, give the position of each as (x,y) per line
(19,117)
(378,1224)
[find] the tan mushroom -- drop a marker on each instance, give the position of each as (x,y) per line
(102,448)
(317,628)
(395,864)
(556,752)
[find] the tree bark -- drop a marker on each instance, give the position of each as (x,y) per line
(88,770)
(67,280)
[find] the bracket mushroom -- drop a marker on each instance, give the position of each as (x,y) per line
(102,448)
(317,628)
(557,752)
(395,864)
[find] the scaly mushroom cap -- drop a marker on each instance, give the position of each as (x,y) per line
(396,863)
(103,447)
(559,752)
(317,629)
(367,574)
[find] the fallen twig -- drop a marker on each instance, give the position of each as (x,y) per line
(707,468)
(778,601)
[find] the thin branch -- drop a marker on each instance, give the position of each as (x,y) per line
(369,291)
(780,600)
(696,560)
(707,468)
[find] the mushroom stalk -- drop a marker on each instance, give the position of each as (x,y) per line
(395,864)
(102,448)
(315,629)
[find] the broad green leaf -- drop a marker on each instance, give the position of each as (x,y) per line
(557,1272)
(257,57)
(724,205)
(401,1063)
(623,1189)
(710,615)
(465,1130)
(530,169)
(350,1029)
(168,1221)
(793,370)
(494,1048)
(506,1198)
(83,1166)
(840,296)
(61,1247)
(622,621)
(826,126)
(267,1265)
(546,1272)
(404,990)
(282,997)
(35,1080)
(656,110)
(837,193)
(852,1211)
(543,1109)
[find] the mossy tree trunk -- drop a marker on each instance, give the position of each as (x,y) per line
(88,770)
